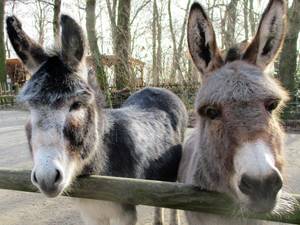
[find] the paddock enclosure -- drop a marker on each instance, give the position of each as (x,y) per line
(18,207)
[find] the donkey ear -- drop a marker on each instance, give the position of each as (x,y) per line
(72,41)
(202,41)
(270,35)
(31,53)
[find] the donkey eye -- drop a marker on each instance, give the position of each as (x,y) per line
(271,105)
(211,112)
(75,106)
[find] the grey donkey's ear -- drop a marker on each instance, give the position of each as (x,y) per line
(202,41)
(270,35)
(72,41)
(31,53)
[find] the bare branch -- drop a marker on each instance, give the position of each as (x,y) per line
(138,10)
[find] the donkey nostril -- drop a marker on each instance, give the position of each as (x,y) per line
(58,176)
(275,181)
(247,185)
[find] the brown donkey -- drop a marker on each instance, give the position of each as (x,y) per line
(237,145)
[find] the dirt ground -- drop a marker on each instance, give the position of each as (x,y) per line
(19,208)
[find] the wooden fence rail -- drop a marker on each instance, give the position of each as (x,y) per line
(145,192)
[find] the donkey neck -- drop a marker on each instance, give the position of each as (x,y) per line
(200,165)
(97,163)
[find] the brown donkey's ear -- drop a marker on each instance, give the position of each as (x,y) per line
(31,53)
(270,35)
(202,41)
(72,41)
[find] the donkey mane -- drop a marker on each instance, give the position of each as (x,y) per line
(55,82)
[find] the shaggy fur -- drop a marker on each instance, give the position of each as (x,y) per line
(237,119)
(71,134)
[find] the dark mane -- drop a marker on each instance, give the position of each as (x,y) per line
(52,84)
(233,54)
(236,52)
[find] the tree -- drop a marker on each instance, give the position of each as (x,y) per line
(56,13)
(246,17)
(41,19)
(288,59)
(252,18)
(92,39)
(2,44)
(177,50)
(156,37)
(122,48)
(231,17)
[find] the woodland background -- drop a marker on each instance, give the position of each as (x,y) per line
(134,43)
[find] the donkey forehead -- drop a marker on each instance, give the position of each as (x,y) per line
(53,84)
(45,117)
(239,82)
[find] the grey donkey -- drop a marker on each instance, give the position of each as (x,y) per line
(237,144)
(70,133)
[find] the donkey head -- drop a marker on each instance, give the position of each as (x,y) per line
(62,129)
(240,138)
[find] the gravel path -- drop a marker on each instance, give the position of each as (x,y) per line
(18,208)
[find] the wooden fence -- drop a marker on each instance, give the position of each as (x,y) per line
(151,193)
(7,94)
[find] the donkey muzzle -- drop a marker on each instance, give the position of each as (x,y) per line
(48,181)
(262,192)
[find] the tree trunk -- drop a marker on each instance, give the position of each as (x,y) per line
(92,39)
(252,18)
(56,14)
(113,23)
(122,69)
(231,16)
(2,44)
(246,16)
(159,47)
(177,50)
(288,59)
(155,75)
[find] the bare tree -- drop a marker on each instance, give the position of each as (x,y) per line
(155,74)
(119,15)
(289,55)
(177,49)
(112,13)
(252,18)
(41,21)
(92,39)
(230,16)
(246,17)
(2,44)
(56,14)
(122,68)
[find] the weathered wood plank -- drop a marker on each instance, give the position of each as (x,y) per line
(145,192)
